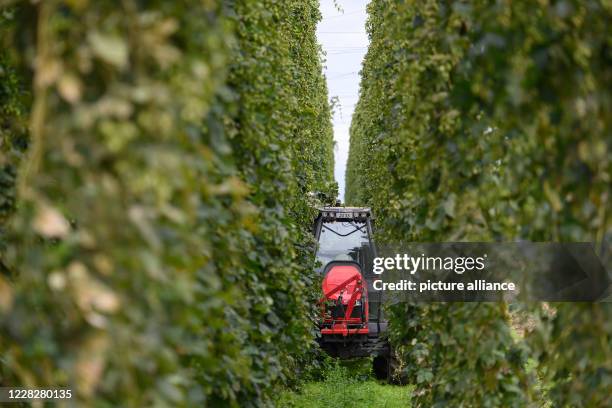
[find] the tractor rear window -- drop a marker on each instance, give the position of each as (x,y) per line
(342,241)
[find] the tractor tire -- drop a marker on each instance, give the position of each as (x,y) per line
(380,368)
(389,368)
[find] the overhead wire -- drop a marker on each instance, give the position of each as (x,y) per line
(342,15)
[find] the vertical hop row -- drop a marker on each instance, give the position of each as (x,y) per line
(489,121)
(153,256)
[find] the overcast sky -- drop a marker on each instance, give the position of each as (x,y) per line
(344,39)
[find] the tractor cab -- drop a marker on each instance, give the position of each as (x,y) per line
(351,319)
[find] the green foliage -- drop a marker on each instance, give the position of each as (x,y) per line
(488,121)
(160,254)
(346,386)
(574,348)
(403,141)
(13,140)
(460,355)
(281,137)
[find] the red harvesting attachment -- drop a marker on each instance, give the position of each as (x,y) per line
(345,300)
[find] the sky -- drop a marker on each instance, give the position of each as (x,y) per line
(344,40)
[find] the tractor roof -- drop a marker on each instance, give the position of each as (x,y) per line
(345,209)
(345,213)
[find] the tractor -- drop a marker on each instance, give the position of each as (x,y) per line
(352,322)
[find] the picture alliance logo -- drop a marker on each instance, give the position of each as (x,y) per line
(414,264)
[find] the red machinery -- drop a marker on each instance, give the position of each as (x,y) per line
(352,322)
(344,301)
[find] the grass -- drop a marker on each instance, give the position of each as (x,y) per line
(347,385)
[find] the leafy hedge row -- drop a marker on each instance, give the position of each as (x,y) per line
(490,121)
(160,254)
(13,134)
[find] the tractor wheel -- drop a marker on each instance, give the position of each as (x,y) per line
(389,368)
(380,368)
